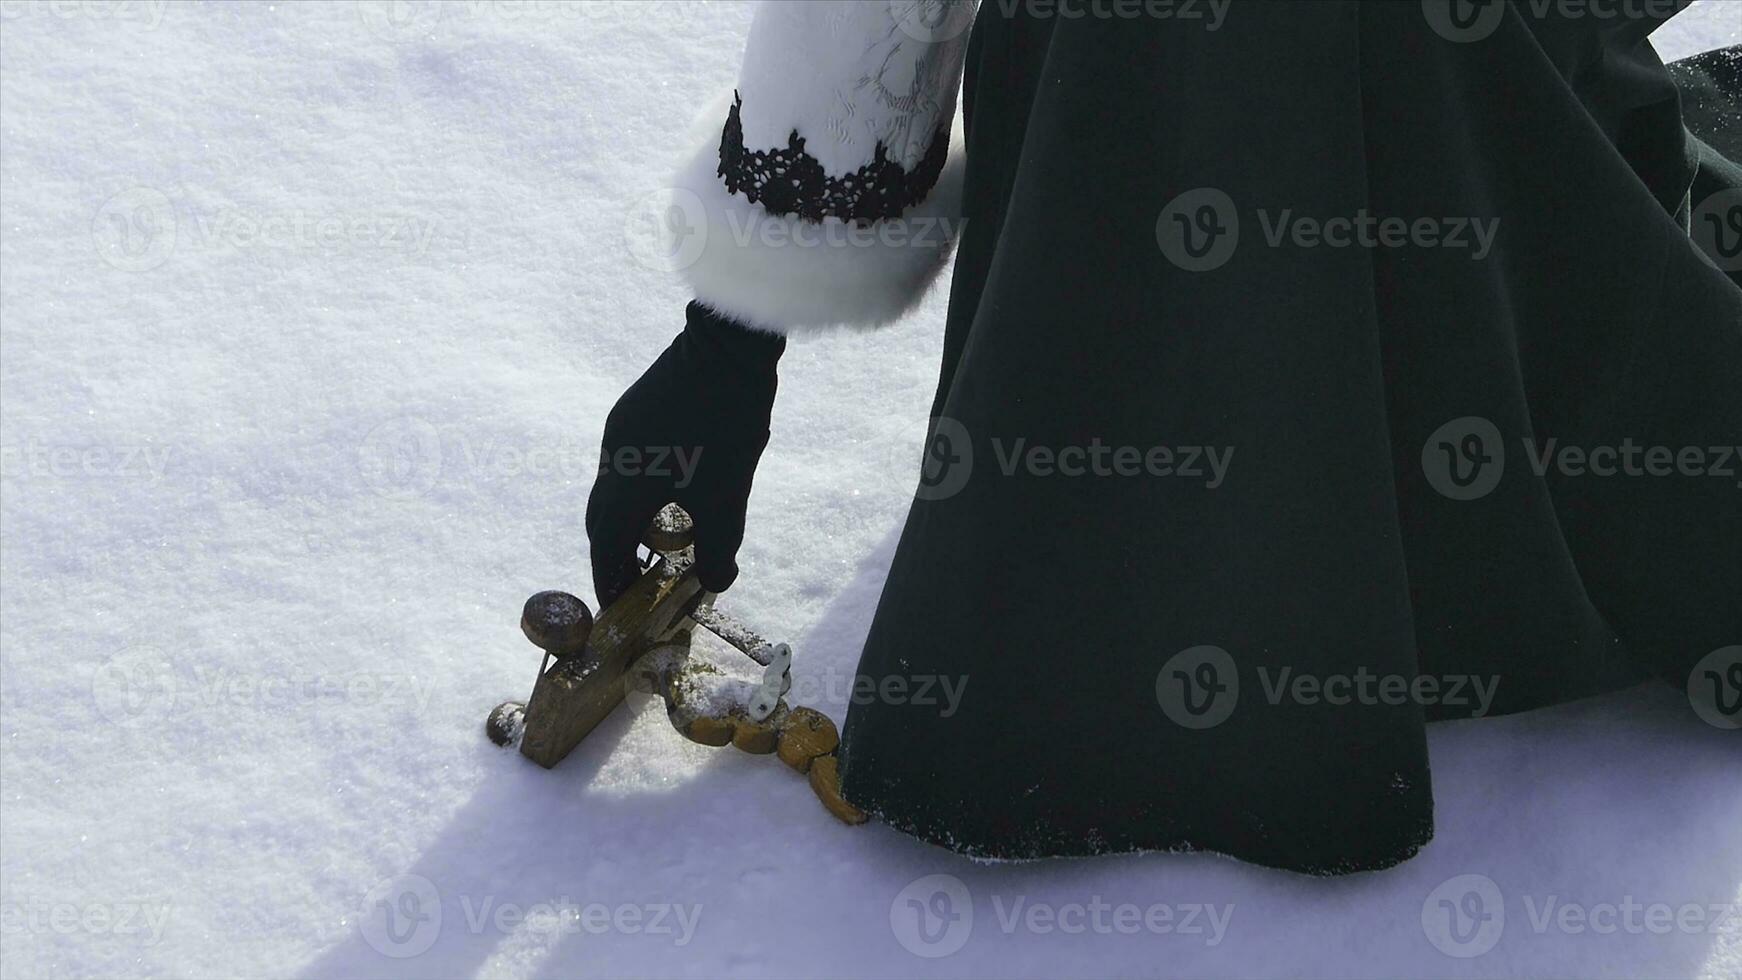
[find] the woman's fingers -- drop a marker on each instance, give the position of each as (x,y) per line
(618,513)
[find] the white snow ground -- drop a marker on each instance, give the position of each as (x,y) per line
(311,316)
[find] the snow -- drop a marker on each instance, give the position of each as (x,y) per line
(311,316)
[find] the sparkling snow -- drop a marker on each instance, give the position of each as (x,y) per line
(312,314)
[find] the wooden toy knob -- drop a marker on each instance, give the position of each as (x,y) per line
(671,531)
(506,723)
(557,623)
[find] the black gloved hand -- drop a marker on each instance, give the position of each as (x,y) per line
(689,432)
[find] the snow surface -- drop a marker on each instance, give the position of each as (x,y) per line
(311,316)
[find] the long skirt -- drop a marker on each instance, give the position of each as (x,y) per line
(1336,369)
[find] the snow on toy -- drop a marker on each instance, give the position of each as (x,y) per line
(642,642)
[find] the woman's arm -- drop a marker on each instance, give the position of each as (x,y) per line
(823,195)
(825,185)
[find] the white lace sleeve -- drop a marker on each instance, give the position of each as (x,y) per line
(828,185)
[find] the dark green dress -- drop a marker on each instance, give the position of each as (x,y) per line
(1152,655)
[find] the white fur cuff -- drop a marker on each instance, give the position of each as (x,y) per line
(784,274)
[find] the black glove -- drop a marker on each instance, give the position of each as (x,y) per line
(689,432)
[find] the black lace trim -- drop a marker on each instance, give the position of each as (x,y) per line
(791,181)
